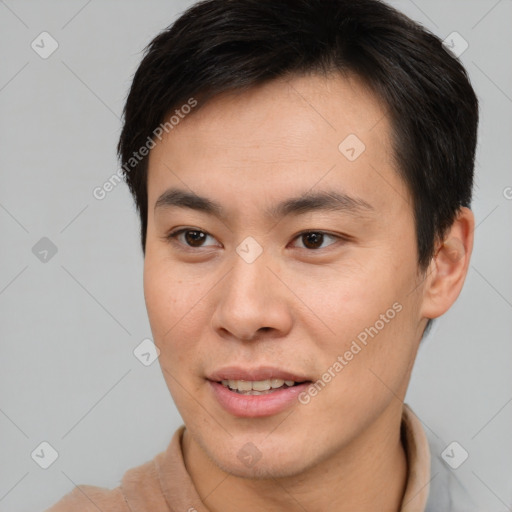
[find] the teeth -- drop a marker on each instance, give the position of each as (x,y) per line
(277,383)
(254,387)
(243,385)
(261,385)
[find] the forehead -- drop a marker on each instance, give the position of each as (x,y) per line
(298,133)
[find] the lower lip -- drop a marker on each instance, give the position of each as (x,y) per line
(256,406)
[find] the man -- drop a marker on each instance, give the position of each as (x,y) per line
(303,172)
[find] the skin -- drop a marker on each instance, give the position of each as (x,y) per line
(293,307)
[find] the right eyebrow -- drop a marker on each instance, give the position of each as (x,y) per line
(184,199)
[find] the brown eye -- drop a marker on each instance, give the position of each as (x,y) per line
(195,238)
(312,240)
(315,240)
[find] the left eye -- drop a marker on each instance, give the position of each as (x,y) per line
(315,240)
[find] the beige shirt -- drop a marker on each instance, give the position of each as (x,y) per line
(163,484)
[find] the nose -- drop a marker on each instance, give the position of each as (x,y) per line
(252,303)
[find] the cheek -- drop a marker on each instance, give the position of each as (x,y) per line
(160,301)
(372,317)
(169,301)
(349,298)
(179,313)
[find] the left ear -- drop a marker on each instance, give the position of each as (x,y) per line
(449,266)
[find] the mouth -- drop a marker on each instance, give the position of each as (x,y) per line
(253,393)
(258,387)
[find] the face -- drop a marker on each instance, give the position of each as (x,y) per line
(279,248)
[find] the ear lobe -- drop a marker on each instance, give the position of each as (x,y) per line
(449,266)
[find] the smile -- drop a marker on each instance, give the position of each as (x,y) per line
(258,387)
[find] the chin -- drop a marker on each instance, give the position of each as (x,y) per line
(270,458)
(268,467)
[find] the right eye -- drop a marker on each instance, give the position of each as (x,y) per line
(192,238)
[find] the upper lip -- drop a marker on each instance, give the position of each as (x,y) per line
(255,374)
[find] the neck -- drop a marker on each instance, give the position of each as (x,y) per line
(370,474)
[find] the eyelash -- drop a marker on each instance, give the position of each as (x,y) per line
(173,236)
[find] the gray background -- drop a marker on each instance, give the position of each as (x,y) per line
(69,326)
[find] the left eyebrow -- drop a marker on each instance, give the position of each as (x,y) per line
(305,203)
(326,200)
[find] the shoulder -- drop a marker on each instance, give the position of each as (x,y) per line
(433,484)
(87,498)
(140,487)
(447,490)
